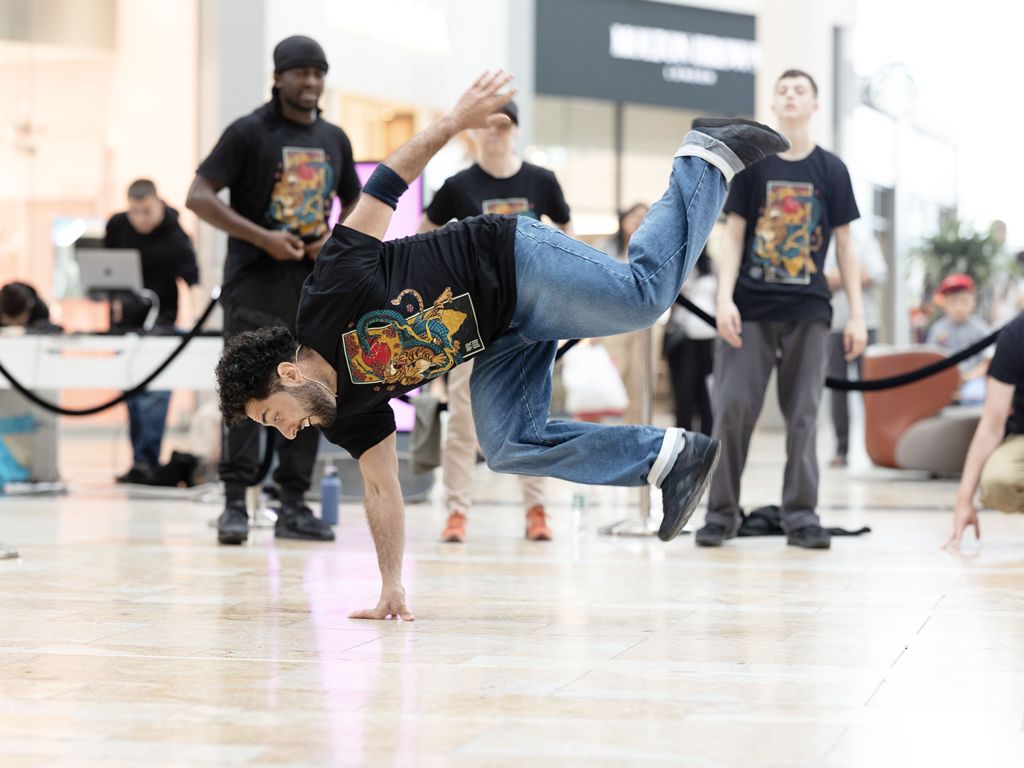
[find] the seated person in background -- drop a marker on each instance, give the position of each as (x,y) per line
(959,327)
(21,307)
(152,228)
(995,459)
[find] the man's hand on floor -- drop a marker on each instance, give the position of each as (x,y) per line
(964,516)
(390,606)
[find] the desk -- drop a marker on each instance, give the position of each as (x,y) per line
(48,363)
(108,362)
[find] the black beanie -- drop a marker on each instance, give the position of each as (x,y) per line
(511,110)
(299,51)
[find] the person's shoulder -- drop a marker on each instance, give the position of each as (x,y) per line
(471,175)
(253,120)
(172,219)
(1015,327)
(978,324)
(118,220)
(474,171)
(539,170)
(244,127)
(940,325)
(336,132)
(830,160)
(753,173)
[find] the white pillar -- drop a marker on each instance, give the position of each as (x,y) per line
(796,34)
(232,82)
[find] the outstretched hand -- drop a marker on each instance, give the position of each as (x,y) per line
(476,108)
(390,606)
(964,516)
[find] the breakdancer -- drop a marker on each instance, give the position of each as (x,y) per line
(377,319)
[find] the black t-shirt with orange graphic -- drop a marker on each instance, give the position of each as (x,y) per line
(391,316)
(532,191)
(791,208)
(282,175)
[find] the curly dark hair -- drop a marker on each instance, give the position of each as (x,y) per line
(247,369)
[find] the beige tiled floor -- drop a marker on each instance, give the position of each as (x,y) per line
(128,638)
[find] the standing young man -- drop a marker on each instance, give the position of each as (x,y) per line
(499,182)
(151,227)
(284,165)
(378,319)
(773,311)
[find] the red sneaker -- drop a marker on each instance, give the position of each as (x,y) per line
(537,524)
(455,528)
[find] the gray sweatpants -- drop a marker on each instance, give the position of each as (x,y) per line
(798,348)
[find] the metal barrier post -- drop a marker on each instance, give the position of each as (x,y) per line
(645,394)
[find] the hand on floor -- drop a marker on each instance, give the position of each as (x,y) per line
(390,606)
(964,516)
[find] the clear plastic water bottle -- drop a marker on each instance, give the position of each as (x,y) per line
(579,507)
(330,495)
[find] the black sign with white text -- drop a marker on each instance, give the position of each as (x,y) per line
(647,53)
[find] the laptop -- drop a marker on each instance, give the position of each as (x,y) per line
(109,269)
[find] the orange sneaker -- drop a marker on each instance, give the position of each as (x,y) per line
(455,528)
(537,524)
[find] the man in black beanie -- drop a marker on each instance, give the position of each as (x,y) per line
(284,165)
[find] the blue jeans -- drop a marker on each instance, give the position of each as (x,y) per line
(147,414)
(568,290)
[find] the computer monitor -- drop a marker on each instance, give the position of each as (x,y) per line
(103,270)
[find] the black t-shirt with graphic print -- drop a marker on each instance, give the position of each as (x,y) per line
(390,316)
(533,191)
(1007,366)
(282,175)
(791,208)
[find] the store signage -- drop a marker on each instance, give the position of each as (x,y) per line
(647,53)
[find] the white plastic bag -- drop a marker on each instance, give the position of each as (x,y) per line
(592,383)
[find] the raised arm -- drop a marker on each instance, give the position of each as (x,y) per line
(475,109)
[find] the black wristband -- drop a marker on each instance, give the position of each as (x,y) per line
(385,185)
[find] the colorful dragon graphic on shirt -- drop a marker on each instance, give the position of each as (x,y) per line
(788,232)
(389,348)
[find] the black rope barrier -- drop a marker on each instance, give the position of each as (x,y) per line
(137,389)
(873,385)
(869,385)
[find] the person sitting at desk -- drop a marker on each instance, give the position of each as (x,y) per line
(21,307)
(151,227)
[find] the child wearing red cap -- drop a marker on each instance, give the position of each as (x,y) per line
(959,327)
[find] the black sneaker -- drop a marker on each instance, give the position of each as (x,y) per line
(749,140)
(810,537)
(686,482)
(233,523)
(712,535)
(296,521)
(139,474)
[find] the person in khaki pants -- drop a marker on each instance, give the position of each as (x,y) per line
(995,460)
(499,182)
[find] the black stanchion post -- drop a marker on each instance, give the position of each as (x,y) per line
(645,395)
